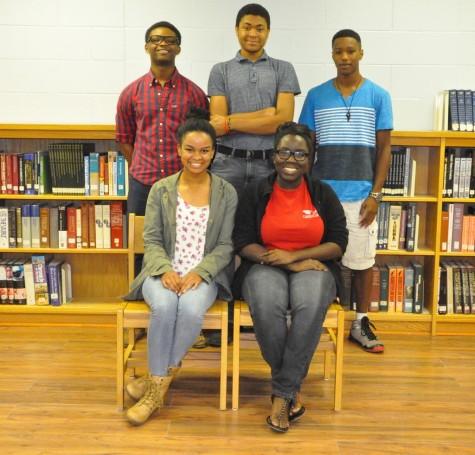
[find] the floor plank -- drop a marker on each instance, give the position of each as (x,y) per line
(57,396)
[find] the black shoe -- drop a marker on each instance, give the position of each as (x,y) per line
(213,337)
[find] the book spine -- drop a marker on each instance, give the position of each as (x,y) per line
(12,227)
(35,226)
(40,280)
(71,226)
(19,228)
(44,227)
(116,227)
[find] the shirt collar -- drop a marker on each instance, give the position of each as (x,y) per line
(172,81)
(240,58)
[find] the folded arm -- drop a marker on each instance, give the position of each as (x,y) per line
(264,121)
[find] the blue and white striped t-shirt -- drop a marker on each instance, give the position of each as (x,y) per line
(346,155)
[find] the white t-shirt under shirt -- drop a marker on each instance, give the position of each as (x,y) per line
(191,223)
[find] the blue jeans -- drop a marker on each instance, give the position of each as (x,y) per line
(175,322)
(240,172)
(272,292)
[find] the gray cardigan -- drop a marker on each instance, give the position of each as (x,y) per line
(159,235)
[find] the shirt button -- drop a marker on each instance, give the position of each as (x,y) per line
(161,124)
(161,109)
(158,93)
(161,140)
(162,171)
(161,156)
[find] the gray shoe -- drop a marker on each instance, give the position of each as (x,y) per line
(362,334)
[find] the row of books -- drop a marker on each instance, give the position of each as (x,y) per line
(35,281)
(64,169)
(398,226)
(459,173)
(454,110)
(456,287)
(82,225)
(394,288)
(401,178)
(457,227)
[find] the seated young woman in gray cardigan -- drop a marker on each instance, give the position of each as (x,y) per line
(188,248)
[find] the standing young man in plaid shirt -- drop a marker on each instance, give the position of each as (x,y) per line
(149,112)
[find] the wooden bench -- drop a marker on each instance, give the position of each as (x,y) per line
(331,341)
(136,315)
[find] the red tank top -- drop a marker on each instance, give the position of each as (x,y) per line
(291,221)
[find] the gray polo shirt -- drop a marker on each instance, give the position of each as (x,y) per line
(248,87)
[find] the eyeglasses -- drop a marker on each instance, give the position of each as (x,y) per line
(285,154)
(168,40)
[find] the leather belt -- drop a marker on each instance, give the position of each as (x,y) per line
(248,154)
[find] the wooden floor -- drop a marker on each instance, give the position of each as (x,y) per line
(57,397)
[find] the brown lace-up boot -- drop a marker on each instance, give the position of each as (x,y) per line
(151,401)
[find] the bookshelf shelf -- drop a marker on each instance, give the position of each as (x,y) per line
(464,318)
(418,252)
(457,254)
(65,251)
(459,199)
(410,199)
(59,197)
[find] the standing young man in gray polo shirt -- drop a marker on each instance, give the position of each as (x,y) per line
(251,95)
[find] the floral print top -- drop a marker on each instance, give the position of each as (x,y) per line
(191,224)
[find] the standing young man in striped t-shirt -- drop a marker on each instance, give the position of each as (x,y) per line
(149,112)
(352,119)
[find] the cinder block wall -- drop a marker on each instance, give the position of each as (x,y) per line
(65,61)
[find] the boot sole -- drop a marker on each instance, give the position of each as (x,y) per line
(378,349)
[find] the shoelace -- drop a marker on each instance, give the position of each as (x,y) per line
(366,326)
(149,399)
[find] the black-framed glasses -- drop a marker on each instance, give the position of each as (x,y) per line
(168,40)
(285,154)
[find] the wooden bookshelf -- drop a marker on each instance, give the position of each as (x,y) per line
(99,276)
(428,148)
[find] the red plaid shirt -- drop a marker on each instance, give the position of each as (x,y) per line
(148,116)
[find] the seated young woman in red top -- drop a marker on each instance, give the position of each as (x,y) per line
(290,230)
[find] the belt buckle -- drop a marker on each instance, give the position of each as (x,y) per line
(249,154)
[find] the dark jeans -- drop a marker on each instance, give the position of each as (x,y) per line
(240,172)
(271,293)
(136,203)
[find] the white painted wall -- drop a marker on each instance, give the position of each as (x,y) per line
(65,61)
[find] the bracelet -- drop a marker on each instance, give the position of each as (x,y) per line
(227,125)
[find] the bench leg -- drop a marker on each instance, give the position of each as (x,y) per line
(223,377)
(339,361)
(326,365)
(120,360)
(236,354)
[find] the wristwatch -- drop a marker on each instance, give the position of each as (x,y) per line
(377,196)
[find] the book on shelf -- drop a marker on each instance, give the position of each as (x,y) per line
(65,168)
(63,226)
(401,178)
(456,287)
(40,280)
(454,110)
(457,227)
(36,281)
(397,288)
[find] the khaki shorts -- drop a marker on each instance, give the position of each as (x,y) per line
(361,249)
